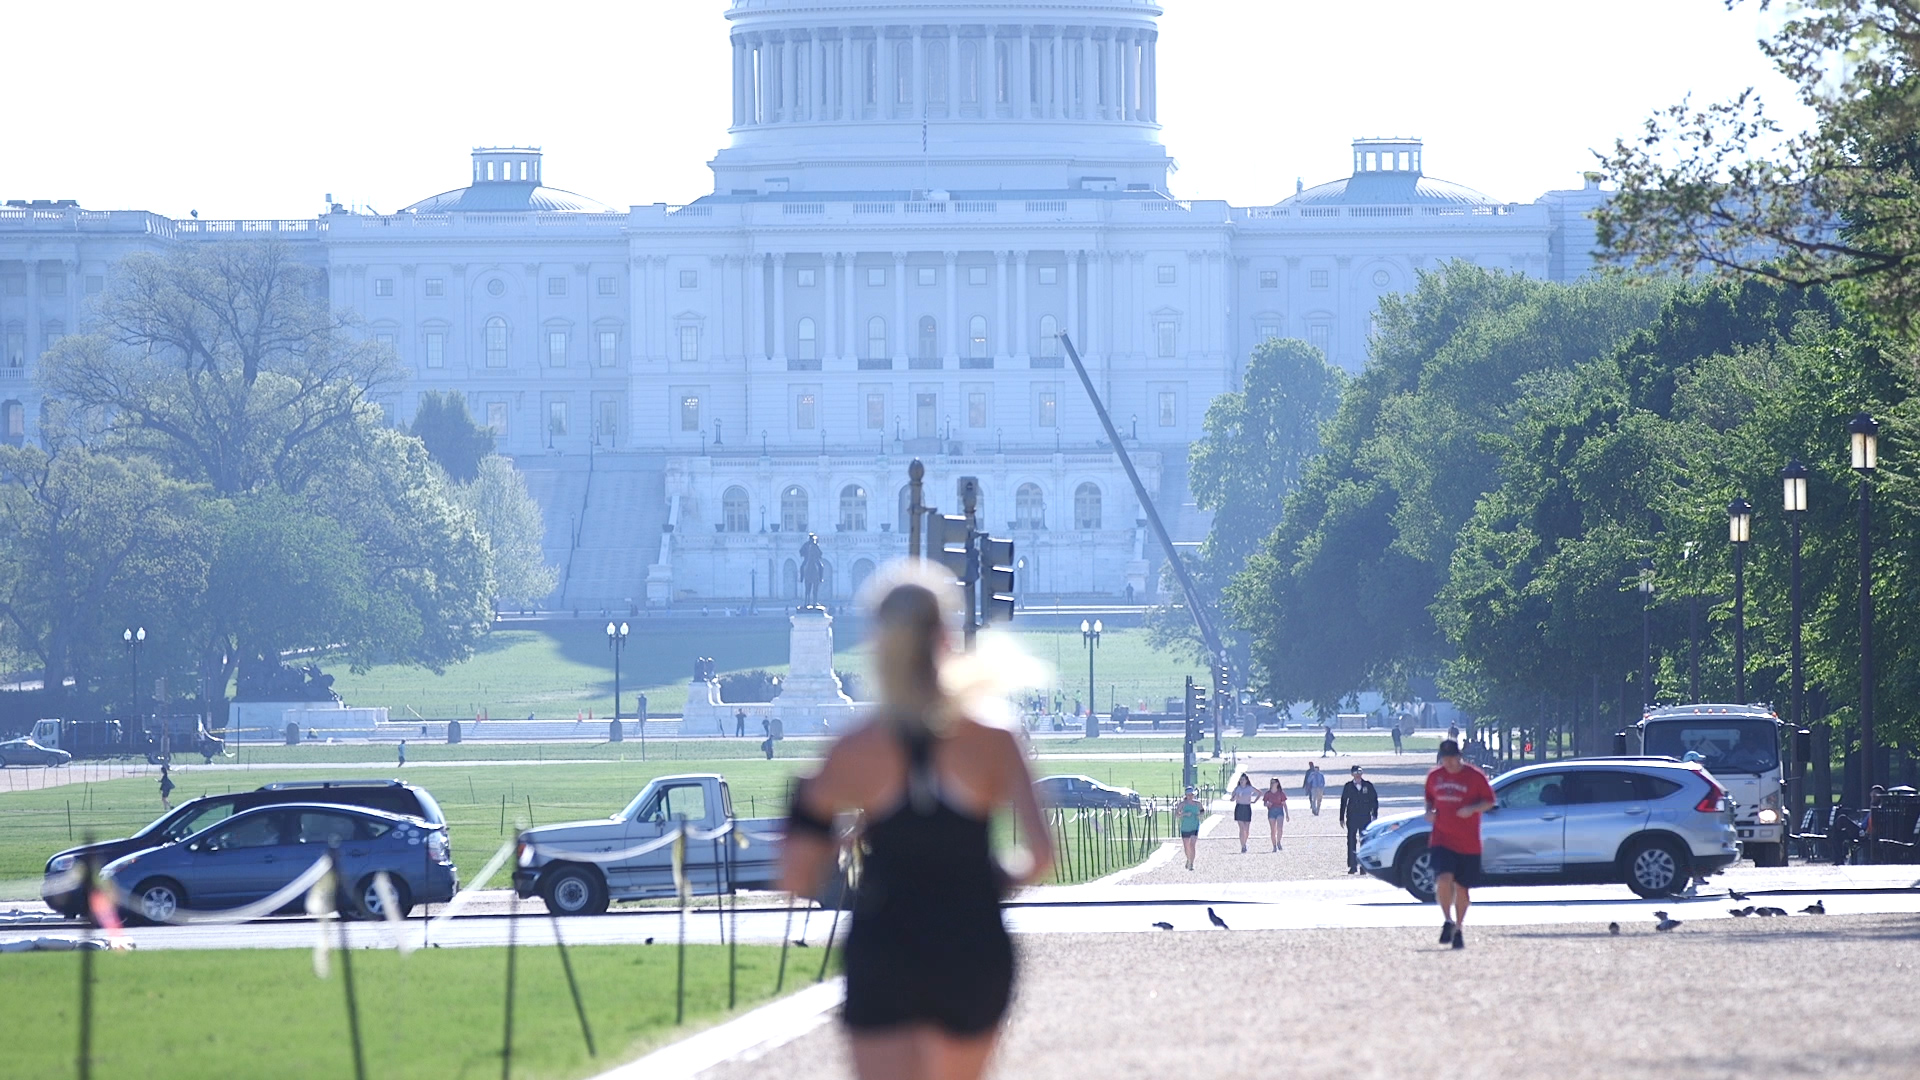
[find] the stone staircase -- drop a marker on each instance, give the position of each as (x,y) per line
(619,535)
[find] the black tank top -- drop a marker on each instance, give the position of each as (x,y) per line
(927,864)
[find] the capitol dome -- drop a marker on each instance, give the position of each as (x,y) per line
(508,179)
(1387,172)
(973,95)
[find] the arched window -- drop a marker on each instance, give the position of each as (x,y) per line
(1086,506)
(13,422)
(853,508)
(862,570)
(1049,336)
(809,345)
(496,342)
(876,338)
(793,510)
(790,578)
(929,338)
(734,510)
(1029,507)
(977,337)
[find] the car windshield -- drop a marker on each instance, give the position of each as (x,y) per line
(1724,745)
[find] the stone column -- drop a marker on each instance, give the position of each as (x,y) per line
(900,308)
(849,75)
(1020,307)
(853,327)
(1089,77)
(756,307)
(1129,77)
(739,65)
(1023,98)
(1136,292)
(954,332)
(919,74)
(780,307)
(1153,78)
(1096,308)
(1057,52)
(1000,350)
(953,71)
(830,290)
(1072,326)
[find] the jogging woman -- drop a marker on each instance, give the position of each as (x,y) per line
(1244,794)
(1186,821)
(1275,798)
(929,963)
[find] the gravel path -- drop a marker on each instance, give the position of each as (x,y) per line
(1573,1003)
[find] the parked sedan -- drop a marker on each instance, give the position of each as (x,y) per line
(255,853)
(1648,823)
(1084,793)
(25,751)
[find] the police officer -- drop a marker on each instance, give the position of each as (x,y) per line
(1359,805)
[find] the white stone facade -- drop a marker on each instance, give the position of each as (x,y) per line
(915,199)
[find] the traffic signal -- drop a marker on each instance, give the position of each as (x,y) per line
(996,584)
(1196,710)
(947,543)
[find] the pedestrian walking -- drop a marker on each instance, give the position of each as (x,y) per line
(1244,794)
(1359,805)
(1186,821)
(1326,746)
(929,964)
(766,744)
(1275,799)
(739,723)
(1315,785)
(166,787)
(403,753)
(1457,794)
(1396,737)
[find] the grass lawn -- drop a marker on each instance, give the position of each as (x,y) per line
(436,1014)
(562,669)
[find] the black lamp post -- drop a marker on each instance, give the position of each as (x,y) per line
(1864,435)
(1646,633)
(1793,500)
(135,638)
(1693,623)
(617,641)
(1090,634)
(763,442)
(1739,531)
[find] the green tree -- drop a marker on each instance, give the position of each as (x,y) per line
(498,500)
(456,443)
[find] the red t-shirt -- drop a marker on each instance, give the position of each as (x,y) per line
(1273,798)
(1446,794)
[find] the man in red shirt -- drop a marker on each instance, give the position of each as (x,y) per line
(1457,794)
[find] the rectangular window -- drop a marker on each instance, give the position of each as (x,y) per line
(977,408)
(1318,335)
(903,73)
(1049,275)
(689,279)
(557,347)
(1269,330)
(804,277)
(1167,401)
(1166,335)
(609,348)
(1317,279)
(976,275)
(556,418)
(689,343)
(384,339)
(690,413)
(54,284)
(876,412)
(436,350)
(16,348)
(1269,279)
(1166,275)
(96,284)
(436,286)
(803,412)
(1046,410)
(607,286)
(876,275)
(929,276)
(497,418)
(13,285)
(383,286)
(556,286)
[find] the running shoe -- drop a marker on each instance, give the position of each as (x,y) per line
(1459,938)
(1447,933)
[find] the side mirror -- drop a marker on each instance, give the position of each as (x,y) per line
(1803,746)
(1619,744)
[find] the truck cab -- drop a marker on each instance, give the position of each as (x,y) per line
(1745,747)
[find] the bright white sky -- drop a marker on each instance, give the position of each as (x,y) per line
(249,109)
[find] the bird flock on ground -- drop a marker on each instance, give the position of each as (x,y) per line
(1664,923)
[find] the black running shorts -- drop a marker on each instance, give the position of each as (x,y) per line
(1464,868)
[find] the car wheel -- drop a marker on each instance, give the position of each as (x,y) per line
(366,898)
(158,901)
(1414,868)
(574,890)
(1655,867)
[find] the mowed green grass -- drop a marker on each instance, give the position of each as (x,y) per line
(434,1015)
(561,670)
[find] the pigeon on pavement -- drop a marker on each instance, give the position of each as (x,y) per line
(1217,920)
(1818,907)
(1163,925)
(1613,928)
(1764,912)
(1739,913)
(1666,923)
(1780,911)
(1736,895)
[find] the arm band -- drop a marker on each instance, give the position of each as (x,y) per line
(804,822)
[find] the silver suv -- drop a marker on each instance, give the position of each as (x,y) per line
(1650,823)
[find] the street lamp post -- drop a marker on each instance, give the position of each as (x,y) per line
(1739,531)
(135,637)
(1793,500)
(1864,436)
(1693,623)
(617,641)
(1090,634)
(1646,633)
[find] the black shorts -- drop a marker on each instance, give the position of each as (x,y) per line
(1464,868)
(1243,811)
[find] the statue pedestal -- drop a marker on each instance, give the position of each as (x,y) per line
(811,700)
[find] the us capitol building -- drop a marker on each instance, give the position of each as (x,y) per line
(915,199)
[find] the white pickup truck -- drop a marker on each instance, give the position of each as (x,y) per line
(576,868)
